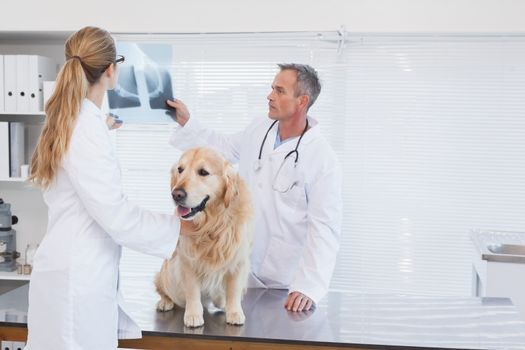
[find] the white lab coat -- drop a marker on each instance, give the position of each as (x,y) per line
(296,236)
(74,301)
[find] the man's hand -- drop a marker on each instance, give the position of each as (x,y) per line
(187,228)
(298,302)
(181,111)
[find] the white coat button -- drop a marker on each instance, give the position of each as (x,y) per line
(259,184)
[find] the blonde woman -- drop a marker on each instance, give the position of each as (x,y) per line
(74,301)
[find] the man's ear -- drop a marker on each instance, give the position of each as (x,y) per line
(303,101)
(231,183)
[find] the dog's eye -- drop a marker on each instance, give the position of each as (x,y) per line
(203,172)
(180,169)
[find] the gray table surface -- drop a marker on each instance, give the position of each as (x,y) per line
(375,321)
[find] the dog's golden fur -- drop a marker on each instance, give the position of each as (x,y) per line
(213,264)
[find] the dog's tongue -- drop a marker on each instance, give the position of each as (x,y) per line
(182,211)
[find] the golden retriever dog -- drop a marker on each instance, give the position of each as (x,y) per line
(213,264)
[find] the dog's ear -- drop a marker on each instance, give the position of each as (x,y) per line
(231,183)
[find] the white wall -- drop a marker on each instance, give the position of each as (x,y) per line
(432,16)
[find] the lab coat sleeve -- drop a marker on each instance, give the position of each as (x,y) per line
(324,215)
(93,170)
(194,134)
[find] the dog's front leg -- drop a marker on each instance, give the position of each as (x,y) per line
(234,289)
(193,315)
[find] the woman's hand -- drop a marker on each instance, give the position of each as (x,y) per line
(297,302)
(113,122)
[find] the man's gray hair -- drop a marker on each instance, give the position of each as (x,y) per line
(307,80)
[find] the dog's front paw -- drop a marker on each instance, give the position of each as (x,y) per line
(165,305)
(235,317)
(193,320)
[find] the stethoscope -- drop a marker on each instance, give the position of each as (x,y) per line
(258,162)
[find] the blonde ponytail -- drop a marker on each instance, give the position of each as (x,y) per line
(88,53)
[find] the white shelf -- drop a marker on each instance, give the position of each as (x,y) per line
(12,179)
(34,37)
(18,113)
(17,184)
(14,276)
(36,117)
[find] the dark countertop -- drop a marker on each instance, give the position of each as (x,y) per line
(375,321)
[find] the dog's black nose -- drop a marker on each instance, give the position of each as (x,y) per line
(179,194)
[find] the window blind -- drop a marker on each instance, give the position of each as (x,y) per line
(429,130)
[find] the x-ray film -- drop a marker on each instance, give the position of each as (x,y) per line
(158,81)
(144,84)
(126,94)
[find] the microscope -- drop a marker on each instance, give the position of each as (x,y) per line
(8,253)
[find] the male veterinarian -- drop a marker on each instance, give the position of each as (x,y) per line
(295,182)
